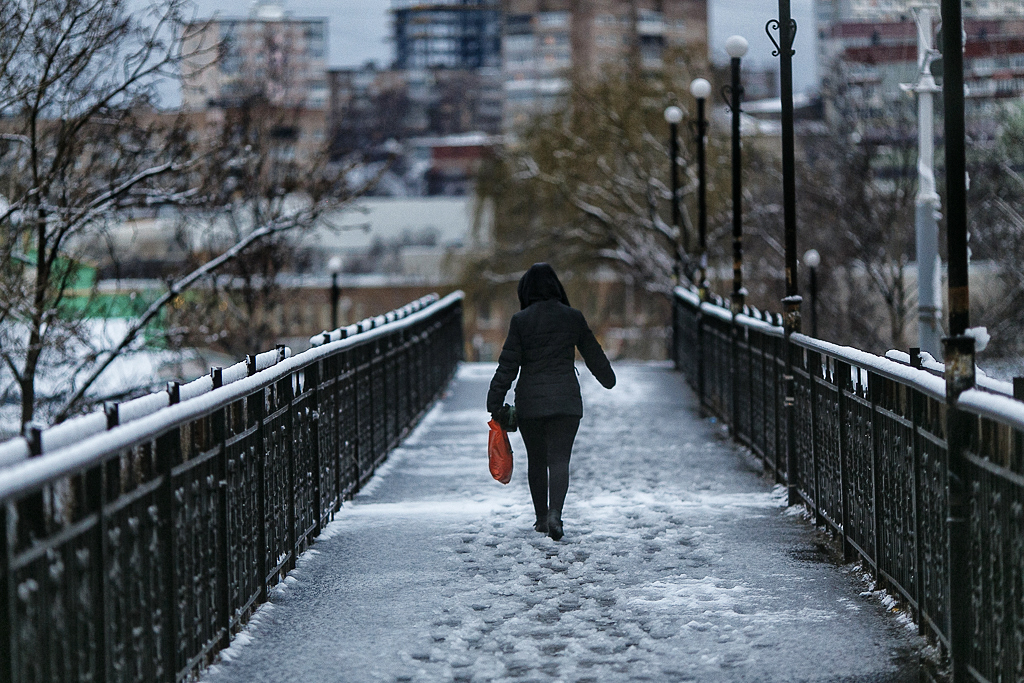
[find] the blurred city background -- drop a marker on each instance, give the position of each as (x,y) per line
(185,184)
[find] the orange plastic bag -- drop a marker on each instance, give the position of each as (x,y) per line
(499,453)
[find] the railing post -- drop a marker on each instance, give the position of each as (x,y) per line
(701,381)
(259,416)
(168,452)
(219,424)
(876,527)
(916,410)
(674,350)
(789,408)
(842,380)
(289,448)
(749,392)
(734,430)
(357,415)
(6,660)
(960,376)
(815,367)
(314,437)
(764,342)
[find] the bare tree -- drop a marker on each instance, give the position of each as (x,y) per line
(589,181)
(268,173)
(996,214)
(76,74)
(857,203)
(81,149)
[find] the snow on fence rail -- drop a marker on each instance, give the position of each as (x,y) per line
(863,441)
(41,441)
(134,550)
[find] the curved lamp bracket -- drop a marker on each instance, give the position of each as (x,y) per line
(774,25)
(727,95)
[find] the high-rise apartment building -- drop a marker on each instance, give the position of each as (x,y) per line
(547,41)
(449,34)
(370,106)
(830,11)
(269,53)
(871,45)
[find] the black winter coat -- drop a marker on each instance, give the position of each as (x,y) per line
(541,349)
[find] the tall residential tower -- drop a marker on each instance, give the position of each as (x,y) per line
(547,41)
(269,52)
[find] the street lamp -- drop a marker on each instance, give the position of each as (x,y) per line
(812,259)
(958,348)
(736,46)
(927,202)
(334,265)
(786,26)
(701,89)
(673,115)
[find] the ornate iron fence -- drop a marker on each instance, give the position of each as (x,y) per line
(870,459)
(136,553)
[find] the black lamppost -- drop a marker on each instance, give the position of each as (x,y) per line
(701,89)
(673,115)
(736,46)
(958,348)
(812,259)
(786,27)
(334,265)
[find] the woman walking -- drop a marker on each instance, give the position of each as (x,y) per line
(541,349)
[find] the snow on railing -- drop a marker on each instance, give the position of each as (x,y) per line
(41,441)
(895,364)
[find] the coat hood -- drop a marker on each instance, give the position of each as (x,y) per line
(540,283)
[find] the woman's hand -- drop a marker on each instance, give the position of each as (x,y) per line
(506,418)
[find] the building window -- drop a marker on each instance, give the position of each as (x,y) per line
(554,19)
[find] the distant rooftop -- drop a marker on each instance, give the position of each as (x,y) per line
(268,10)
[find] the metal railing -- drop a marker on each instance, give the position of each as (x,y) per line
(134,554)
(867,454)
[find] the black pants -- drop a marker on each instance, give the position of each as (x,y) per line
(548,447)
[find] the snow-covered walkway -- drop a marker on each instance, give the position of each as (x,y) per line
(678,564)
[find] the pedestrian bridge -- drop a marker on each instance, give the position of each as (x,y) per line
(329,516)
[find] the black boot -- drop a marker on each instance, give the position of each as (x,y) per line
(541,525)
(555,524)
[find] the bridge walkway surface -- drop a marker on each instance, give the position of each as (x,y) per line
(679,563)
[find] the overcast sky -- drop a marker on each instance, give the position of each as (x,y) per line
(359,29)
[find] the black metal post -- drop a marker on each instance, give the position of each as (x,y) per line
(814,302)
(677,216)
(677,269)
(959,348)
(784,48)
(673,115)
(335,297)
(702,198)
(736,92)
(786,27)
(956,167)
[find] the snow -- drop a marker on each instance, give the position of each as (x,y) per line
(759,325)
(981,337)
(687,295)
(1002,408)
(717,311)
(679,563)
(920,379)
(929,363)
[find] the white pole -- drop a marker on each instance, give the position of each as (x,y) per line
(929,307)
